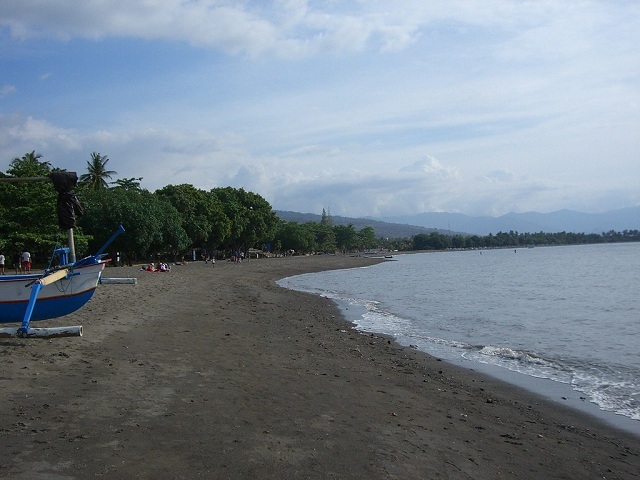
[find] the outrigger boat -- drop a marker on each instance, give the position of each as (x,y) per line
(60,290)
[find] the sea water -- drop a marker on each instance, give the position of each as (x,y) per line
(568,315)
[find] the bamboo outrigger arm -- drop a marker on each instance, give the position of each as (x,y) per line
(49,332)
(23,179)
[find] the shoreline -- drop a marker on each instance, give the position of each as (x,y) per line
(553,391)
(217,372)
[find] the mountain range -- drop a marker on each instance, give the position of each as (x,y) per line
(531,222)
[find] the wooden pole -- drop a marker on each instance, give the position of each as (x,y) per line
(53,332)
(72,247)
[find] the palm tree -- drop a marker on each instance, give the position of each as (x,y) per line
(29,165)
(97,172)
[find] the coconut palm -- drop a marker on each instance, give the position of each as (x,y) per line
(29,165)
(97,172)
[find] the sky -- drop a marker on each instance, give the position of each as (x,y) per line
(362,108)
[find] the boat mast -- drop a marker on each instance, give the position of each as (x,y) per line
(72,246)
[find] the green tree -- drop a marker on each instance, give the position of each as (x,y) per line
(29,165)
(346,237)
(459,241)
(97,173)
(293,236)
(325,237)
(201,212)
(431,241)
(367,238)
(28,209)
(128,183)
(252,219)
(326,219)
(153,226)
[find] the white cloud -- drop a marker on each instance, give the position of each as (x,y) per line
(26,134)
(299,182)
(431,166)
(364,107)
(497,176)
(287,28)
(6,90)
(232,27)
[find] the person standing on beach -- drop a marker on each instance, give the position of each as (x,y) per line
(26,262)
(1,264)
(17,263)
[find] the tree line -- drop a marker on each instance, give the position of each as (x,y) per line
(439,241)
(179,219)
(168,223)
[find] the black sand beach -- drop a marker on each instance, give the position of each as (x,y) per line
(216,372)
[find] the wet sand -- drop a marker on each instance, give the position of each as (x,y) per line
(216,372)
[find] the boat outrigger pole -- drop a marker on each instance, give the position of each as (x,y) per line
(23,179)
(110,241)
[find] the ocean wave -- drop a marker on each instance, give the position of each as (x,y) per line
(519,355)
(521,361)
(614,390)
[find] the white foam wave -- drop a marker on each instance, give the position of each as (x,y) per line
(612,392)
(520,361)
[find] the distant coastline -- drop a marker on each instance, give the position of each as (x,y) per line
(454,223)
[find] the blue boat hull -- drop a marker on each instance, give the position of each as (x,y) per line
(54,300)
(46,308)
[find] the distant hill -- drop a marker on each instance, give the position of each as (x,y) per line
(530,222)
(381,229)
(559,221)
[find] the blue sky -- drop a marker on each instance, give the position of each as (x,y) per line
(362,107)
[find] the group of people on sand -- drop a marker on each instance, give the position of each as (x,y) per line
(21,262)
(162,267)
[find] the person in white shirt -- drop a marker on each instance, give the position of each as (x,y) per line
(26,262)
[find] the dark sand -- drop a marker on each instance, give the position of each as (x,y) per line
(218,373)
